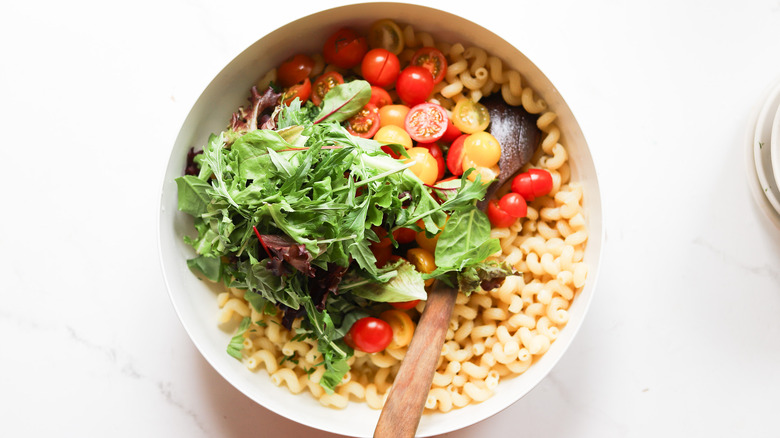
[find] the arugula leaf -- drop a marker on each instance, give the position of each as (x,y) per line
(344,101)
(237,341)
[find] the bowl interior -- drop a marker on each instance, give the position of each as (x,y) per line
(195,301)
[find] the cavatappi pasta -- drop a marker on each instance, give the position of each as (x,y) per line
(493,335)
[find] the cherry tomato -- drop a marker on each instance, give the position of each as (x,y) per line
(425,166)
(423,261)
(365,123)
(414,85)
(393,115)
(425,242)
(523,186)
(455,156)
(435,151)
(385,34)
(404,235)
(470,116)
(383,254)
(498,217)
(302,91)
(345,48)
(426,122)
(405,305)
(487,174)
(432,59)
(380,97)
(393,134)
(514,204)
(294,70)
(369,334)
(383,239)
(482,148)
(323,84)
(402,326)
(451,133)
(541,181)
(380,67)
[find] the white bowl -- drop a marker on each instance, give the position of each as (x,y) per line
(773,153)
(195,301)
(762,141)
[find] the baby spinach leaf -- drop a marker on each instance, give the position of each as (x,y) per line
(193,195)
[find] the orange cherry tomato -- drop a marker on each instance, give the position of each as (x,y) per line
(393,115)
(435,151)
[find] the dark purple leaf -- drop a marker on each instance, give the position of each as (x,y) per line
(248,119)
(325,283)
(284,249)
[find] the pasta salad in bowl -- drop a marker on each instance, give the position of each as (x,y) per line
(320,185)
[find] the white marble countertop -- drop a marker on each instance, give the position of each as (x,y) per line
(682,338)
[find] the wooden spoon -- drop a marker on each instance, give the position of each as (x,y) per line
(516,131)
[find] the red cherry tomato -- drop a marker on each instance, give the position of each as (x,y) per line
(323,84)
(414,85)
(365,123)
(451,133)
(433,60)
(514,204)
(455,156)
(369,334)
(380,67)
(383,239)
(294,70)
(522,185)
(345,48)
(541,181)
(498,217)
(380,97)
(405,305)
(382,254)
(302,91)
(435,150)
(426,122)
(404,235)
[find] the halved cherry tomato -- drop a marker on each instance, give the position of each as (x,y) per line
(414,85)
(541,181)
(482,148)
(365,123)
(425,166)
(369,334)
(455,156)
(393,115)
(432,59)
(401,324)
(302,91)
(385,34)
(405,305)
(393,134)
(470,116)
(426,122)
(345,48)
(451,133)
(498,217)
(294,70)
(380,97)
(380,67)
(514,204)
(404,235)
(435,151)
(323,84)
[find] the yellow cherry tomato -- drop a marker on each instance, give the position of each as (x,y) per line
(470,116)
(425,242)
(423,261)
(488,173)
(425,167)
(393,115)
(482,148)
(393,134)
(402,325)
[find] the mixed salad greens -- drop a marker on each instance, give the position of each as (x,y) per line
(286,203)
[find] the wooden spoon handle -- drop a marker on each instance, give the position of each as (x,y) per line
(406,401)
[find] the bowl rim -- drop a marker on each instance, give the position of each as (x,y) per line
(594,239)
